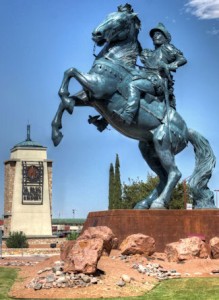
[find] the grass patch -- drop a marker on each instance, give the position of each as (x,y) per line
(186,288)
(7,278)
(180,289)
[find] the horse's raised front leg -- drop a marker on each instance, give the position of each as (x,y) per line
(163,149)
(79,99)
(88,81)
(67,103)
(57,124)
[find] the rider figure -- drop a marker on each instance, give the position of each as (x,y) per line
(158,65)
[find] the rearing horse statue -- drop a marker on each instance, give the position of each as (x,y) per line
(160,130)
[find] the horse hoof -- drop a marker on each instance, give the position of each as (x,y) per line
(211,206)
(142,205)
(157,205)
(57,139)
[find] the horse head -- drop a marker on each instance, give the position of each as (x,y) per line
(118,26)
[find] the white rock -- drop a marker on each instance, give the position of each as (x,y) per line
(126,278)
(58,273)
(141,268)
(61,279)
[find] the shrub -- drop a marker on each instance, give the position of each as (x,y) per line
(72,236)
(17,240)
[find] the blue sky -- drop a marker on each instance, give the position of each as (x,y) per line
(40,39)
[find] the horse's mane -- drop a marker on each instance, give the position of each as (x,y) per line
(128,9)
(125,51)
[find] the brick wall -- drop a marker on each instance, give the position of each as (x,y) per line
(49,168)
(8,194)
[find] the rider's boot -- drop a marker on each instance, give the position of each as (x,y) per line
(131,108)
(100,123)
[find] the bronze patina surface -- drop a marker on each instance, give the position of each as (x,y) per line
(139,102)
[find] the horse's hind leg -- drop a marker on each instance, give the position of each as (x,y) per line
(149,154)
(164,152)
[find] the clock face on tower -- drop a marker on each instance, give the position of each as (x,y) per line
(33,173)
(32,182)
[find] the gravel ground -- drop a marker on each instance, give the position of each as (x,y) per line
(110,283)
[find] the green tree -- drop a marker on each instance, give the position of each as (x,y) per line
(17,240)
(72,236)
(137,190)
(111,187)
(177,198)
(117,185)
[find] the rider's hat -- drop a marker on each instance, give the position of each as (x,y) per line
(127,8)
(160,27)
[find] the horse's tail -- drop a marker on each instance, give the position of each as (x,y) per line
(205,161)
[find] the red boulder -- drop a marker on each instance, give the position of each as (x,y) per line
(138,244)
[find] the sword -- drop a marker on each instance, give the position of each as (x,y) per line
(166,93)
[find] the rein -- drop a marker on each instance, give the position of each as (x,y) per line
(94,50)
(119,70)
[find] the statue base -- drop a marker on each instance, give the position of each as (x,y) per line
(165,226)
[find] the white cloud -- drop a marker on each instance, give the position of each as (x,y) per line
(203,9)
(214,31)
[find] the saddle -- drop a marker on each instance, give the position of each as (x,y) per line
(155,106)
(150,103)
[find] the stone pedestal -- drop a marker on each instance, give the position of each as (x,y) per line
(165,226)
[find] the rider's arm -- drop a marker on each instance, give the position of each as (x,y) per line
(177,58)
(144,55)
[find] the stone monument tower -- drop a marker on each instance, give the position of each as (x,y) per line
(28,190)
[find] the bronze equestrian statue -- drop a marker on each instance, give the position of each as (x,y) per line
(153,121)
